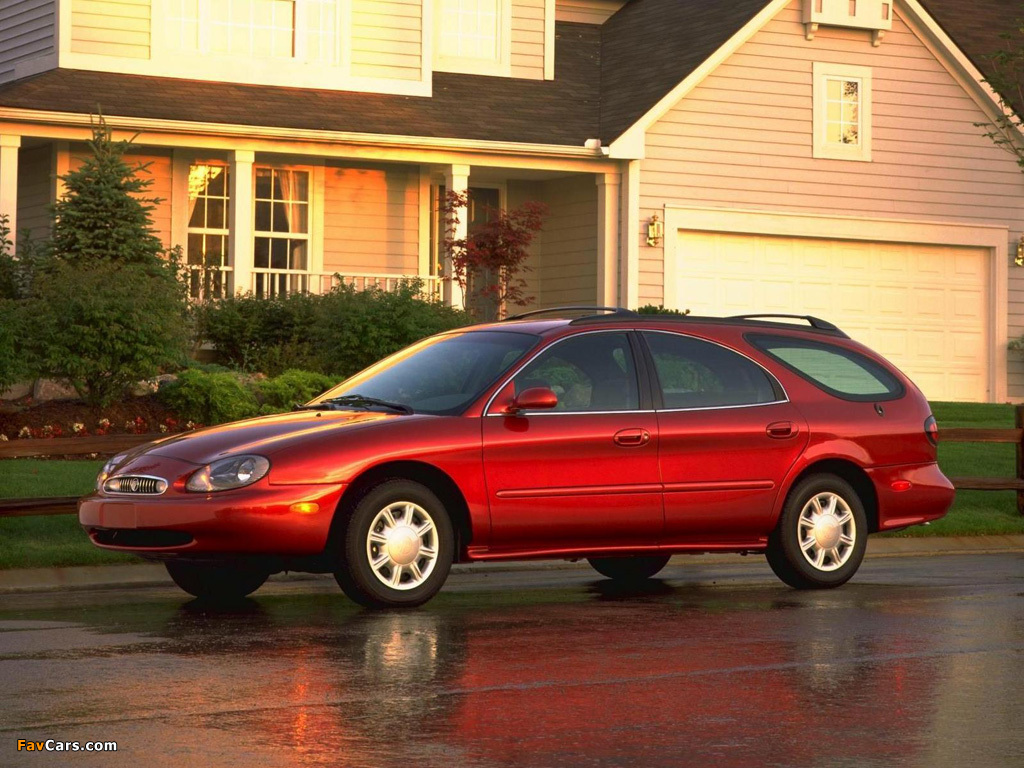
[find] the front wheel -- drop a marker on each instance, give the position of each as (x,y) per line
(822,534)
(216,582)
(629,569)
(398,547)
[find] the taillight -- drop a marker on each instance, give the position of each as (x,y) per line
(931,429)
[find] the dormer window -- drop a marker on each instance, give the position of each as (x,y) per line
(842,112)
(473,36)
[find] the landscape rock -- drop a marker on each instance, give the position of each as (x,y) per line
(149,386)
(17,391)
(47,390)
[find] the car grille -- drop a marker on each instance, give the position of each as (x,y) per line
(135,484)
(132,538)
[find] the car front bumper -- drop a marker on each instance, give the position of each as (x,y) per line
(259,520)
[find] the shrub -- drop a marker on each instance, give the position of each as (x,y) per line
(337,334)
(209,398)
(102,327)
(290,388)
(267,335)
(659,309)
(12,362)
(357,328)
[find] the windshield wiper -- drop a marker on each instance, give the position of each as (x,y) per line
(363,400)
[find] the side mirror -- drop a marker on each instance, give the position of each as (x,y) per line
(533,399)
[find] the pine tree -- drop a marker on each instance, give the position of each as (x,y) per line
(105,213)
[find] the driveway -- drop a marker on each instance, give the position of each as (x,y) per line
(918,661)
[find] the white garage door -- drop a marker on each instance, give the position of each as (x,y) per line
(922,307)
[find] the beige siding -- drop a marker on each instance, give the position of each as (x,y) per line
(586,11)
(387,39)
(35,185)
(157,166)
(742,139)
(111,27)
(371,219)
(528,39)
(27,31)
(568,255)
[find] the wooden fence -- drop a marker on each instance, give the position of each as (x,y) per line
(108,445)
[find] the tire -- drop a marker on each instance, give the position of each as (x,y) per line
(216,582)
(420,554)
(805,557)
(629,569)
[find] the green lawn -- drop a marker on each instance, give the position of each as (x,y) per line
(47,541)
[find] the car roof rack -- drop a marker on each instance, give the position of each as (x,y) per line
(612,312)
(815,322)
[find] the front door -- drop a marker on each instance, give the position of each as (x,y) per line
(583,475)
(727,439)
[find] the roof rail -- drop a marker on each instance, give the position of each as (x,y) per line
(814,322)
(614,311)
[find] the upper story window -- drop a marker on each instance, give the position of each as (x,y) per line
(255,28)
(473,36)
(842,112)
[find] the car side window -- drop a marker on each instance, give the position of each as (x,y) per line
(590,372)
(698,374)
(840,372)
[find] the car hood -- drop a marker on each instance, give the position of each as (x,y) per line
(265,434)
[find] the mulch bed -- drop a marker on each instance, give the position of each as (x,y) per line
(137,415)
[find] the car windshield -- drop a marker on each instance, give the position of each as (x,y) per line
(440,375)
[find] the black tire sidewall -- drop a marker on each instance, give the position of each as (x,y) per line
(356,577)
(215,581)
(794,567)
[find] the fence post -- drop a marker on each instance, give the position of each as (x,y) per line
(1018,422)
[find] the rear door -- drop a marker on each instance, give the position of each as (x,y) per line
(727,438)
(583,475)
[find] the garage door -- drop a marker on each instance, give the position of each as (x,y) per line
(923,307)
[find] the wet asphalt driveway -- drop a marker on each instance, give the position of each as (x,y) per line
(919,661)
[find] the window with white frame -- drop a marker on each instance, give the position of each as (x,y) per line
(207,249)
(472,36)
(256,28)
(842,112)
(281,245)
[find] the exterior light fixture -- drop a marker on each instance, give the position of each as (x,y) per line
(656,231)
(1019,259)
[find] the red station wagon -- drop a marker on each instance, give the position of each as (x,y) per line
(581,432)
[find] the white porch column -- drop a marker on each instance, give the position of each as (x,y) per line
(241,219)
(629,238)
(607,237)
(9,146)
(456,179)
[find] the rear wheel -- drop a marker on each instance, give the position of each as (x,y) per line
(627,569)
(398,547)
(216,582)
(822,534)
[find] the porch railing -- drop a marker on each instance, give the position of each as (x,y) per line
(273,282)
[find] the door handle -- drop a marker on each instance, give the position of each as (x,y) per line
(781,429)
(632,437)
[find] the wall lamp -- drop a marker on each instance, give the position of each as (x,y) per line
(656,231)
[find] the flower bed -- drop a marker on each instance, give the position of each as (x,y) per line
(135,416)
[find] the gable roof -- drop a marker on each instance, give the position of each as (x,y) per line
(649,46)
(607,78)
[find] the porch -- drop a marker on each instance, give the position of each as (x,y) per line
(270,223)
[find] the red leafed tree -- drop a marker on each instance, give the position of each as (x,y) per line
(493,256)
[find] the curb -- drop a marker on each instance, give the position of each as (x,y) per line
(150,574)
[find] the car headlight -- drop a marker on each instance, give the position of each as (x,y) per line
(109,467)
(225,474)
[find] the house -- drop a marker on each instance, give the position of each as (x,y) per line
(796,156)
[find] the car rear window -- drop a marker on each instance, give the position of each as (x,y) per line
(838,371)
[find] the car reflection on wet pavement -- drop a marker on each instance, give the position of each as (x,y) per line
(919,661)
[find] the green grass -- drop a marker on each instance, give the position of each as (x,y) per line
(34,542)
(975,513)
(38,542)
